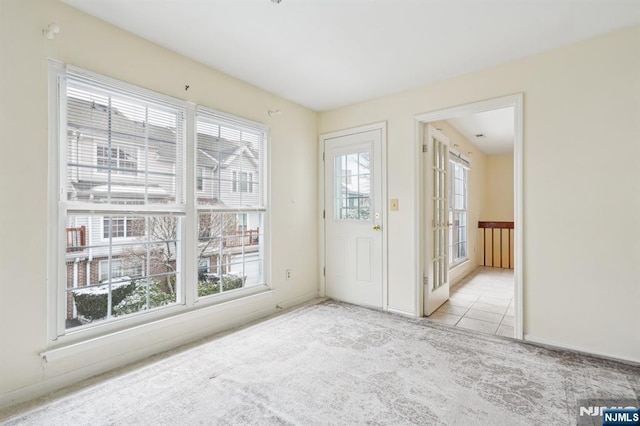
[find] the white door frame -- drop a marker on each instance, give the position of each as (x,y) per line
(382,127)
(515,101)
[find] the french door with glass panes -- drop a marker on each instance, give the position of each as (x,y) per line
(436,274)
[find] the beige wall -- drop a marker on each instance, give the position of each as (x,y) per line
(89,43)
(498,207)
(581,286)
(498,202)
(476,197)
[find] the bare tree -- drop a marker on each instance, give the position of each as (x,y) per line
(158,241)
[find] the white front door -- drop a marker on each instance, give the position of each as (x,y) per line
(353,218)
(436,164)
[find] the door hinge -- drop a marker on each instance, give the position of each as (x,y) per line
(425,148)
(323,213)
(324,271)
(425,280)
(323,156)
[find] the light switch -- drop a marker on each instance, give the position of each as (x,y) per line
(394,205)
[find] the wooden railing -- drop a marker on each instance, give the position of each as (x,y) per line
(76,238)
(250,237)
(500,227)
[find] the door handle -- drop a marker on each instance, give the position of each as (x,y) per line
(376,228)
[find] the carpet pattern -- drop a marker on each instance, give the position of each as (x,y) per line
(335,363)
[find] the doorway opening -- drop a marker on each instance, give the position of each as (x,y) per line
(470,221)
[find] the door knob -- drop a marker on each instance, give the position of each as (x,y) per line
(376,228)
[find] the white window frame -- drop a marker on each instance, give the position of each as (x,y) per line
(240,124)
(58,336)
(456,161)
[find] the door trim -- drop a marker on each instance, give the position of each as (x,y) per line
(382,127)
(515,101)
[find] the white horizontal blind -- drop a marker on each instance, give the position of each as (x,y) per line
(122,149)
(231,156)
(230,194)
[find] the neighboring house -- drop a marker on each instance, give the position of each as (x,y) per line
(355,184)
(114,152)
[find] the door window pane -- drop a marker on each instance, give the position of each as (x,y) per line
(352,180)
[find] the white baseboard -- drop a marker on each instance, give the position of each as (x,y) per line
(52,384)
(307,298)
(576,348)
(401,312)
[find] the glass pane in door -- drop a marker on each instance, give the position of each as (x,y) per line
(352,186)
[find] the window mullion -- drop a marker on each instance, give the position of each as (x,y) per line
(110,150)
(146,155)
(58,145)
(190,227)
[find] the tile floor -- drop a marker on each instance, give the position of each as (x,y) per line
(482,301)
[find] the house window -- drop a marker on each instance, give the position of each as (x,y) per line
(117,159)
(122,227)
(230,229)
(458,172)
(130,268)
(242,182)
(199,175)
(241,221)
(204,265)
(123,168)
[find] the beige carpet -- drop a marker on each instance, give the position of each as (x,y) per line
(335,363)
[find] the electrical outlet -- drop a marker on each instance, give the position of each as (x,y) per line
(287,274)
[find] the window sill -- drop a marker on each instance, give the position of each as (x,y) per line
(458,265)
(131,333)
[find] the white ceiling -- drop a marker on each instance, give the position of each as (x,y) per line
(328,53)
(497,128)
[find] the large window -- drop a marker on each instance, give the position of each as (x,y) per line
(124,188)
(458,172)
(231,216)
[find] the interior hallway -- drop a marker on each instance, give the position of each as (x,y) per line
(482,301)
